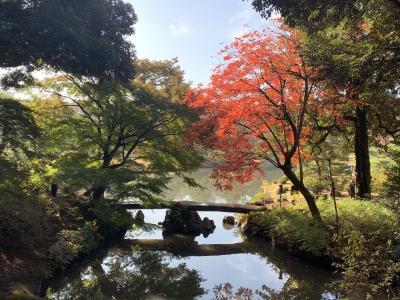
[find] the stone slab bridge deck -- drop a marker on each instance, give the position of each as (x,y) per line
(197,206)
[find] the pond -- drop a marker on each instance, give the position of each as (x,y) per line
(240,192)
(224,265)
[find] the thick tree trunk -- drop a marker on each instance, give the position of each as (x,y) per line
(98,191)
(305,192)
(361,150)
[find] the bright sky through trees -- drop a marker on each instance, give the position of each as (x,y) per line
(191,30)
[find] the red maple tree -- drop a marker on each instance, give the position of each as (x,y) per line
(255,107)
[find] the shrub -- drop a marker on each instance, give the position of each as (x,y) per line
(365,246)
(261,198)
(25,221)
(112,220)
(378,182)
(283,180)
(368,217)
(391,187)
(315,185)
(295,229)
(368,265)
(71,243)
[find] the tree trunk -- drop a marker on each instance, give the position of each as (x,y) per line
(333,191)
(361,150)
(300,165)
(98,193)
(319,171)
(305,192)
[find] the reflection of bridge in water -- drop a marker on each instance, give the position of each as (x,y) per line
(197,206)
(185,246)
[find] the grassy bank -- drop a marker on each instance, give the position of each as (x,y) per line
(40,236)
(364,245)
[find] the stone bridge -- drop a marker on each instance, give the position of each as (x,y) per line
(196,206)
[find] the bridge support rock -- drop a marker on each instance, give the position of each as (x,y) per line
(189,222)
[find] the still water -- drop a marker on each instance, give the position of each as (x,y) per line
(208,193)
(224,265)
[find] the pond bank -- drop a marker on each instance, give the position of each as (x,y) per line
(364,246)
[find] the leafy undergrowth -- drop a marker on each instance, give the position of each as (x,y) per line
(293,229)
(39,236)
(365,245)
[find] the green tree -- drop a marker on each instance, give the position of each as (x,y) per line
(357,46)
(165,75)
(79,37)
(18,132)
(317,14)
(126,139)
(392,185)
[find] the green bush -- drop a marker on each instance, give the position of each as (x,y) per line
(71,243)
(365,246)
(368,217)
(391,187)
(283,180)
(260,198)
(25,221)
(295,229)
(315,185)
(111,219)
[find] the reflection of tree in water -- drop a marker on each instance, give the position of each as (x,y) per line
(225,292)
(292,289)
(136,276)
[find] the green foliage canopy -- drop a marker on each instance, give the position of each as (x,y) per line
(128,139)
(18,133)
(78,37)
(356,44)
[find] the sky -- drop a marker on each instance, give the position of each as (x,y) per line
(191,30)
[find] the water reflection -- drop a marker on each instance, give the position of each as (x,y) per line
(292,289)
(223,266)
(159,275)
(140,275)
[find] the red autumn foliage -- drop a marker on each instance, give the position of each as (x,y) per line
(255,107)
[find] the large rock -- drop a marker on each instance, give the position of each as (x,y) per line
(139,216)
(230,220)
(252,226)
(227,226)
(181,221)
(208,227)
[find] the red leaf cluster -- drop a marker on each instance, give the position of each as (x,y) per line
(255,106)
